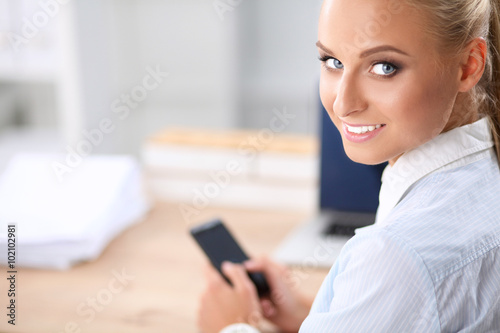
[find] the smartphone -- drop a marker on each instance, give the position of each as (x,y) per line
(219,245)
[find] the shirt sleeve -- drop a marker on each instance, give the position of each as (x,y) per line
(378,284)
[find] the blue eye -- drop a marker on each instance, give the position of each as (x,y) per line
(384,69)
(334,63)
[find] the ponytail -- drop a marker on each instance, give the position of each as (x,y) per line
(460,21)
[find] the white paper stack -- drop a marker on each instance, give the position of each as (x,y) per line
(60,223)
(247,169)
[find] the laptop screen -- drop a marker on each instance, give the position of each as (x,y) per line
(344,184)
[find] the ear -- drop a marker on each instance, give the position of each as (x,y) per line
(472,64)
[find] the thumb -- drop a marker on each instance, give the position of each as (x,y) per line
(268,308)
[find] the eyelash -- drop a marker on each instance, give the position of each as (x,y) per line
(325,58)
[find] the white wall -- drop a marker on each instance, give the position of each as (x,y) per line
(189,41)
(223,73)
(279,63)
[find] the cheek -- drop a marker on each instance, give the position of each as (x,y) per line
(418,106)
(327,92)
(420,110)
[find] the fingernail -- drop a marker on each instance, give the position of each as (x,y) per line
(227,265)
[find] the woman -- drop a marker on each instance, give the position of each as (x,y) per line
(414,83)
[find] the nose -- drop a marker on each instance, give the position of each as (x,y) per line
(349,98)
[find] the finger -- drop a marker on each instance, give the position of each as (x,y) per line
(215,281)
(264,264)
(268,308)
(253,264)
(238,277)
(256,264)
(274,272)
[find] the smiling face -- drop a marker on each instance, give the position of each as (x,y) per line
(381,81)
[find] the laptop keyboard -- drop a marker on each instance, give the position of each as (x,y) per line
(327,232)
(345,223)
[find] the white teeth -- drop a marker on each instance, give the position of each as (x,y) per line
(362,129)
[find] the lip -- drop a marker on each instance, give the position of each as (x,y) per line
(359,138)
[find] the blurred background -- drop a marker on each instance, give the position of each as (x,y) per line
(65,65)
(107,77)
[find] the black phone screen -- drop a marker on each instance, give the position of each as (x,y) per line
(219,245)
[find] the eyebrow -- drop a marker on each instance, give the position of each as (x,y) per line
(368,52)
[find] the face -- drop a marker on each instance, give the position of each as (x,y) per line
(381,81)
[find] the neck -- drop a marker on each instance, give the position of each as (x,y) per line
(463,113)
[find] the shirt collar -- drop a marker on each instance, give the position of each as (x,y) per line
(447,150)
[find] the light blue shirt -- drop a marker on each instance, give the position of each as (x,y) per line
(431,262)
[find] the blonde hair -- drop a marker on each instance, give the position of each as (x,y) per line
(460,21)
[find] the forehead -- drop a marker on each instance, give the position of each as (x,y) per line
(360,24)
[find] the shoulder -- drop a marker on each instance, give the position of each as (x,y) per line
(379,248)
(479,181)
(451,217)
(381,254)
(450,222)
(377,281)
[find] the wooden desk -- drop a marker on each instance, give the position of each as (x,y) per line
(161,277)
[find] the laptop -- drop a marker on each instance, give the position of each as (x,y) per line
(348,200)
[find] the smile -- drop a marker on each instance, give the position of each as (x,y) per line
(362,129)
(361,133)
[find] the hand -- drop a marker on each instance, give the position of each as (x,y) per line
(286,307)
(222,304)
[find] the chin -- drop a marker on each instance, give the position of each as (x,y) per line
(364,156)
